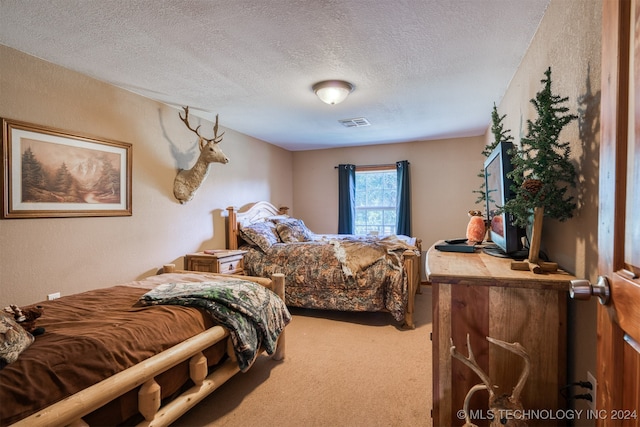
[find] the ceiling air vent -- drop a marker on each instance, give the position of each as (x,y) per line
(355,123)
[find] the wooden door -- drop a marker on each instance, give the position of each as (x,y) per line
(618,348)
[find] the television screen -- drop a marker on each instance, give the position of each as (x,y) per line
(505,235)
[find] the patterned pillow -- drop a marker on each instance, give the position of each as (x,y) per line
(13,339)
(293,230)
(261,234)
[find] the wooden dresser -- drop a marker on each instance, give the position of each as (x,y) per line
(220,261)
(479,295)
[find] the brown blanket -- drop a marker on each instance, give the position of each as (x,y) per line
(89,337)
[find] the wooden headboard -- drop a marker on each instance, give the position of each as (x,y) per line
(257,212)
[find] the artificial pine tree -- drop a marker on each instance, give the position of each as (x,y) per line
(499,134)
(542,171)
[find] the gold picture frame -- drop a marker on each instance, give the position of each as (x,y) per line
(48,173)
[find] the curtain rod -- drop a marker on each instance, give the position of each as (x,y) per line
(373,166)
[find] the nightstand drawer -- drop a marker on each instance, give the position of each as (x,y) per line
(227,262)
(234,266)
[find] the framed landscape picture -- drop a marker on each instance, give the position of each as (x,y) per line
(52,173)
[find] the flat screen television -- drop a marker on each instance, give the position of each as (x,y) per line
(506,237)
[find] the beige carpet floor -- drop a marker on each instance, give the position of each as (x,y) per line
(341,369)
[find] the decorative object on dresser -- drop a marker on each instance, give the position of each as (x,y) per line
(329,271)
(188,181)
(543,172)
(476,229)
(49,172)
(506,409)
(226,261)
(480,295)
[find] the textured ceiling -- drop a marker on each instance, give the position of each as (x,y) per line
(422,69)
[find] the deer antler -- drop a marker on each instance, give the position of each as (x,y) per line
(216,139)
(471,363)
(499,404)
(185,119)
(518,349)
(467,399)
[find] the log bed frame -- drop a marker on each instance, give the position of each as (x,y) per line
(70,410)
(262,210)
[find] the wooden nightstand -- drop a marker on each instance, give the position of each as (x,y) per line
(220,261)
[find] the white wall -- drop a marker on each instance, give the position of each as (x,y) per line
(42,256)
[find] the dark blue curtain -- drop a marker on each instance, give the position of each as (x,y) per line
(346,198)
(403,225)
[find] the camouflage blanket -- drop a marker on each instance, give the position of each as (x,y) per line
(253,314)
(338,273)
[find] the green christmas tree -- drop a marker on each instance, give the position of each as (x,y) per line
(542,171)
(499,134)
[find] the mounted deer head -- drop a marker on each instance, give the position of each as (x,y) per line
(505,409)
(188,181)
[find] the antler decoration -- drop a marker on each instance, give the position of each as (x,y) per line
(216,139)
(504,407)
(471,363)
(518,349)
(189,180)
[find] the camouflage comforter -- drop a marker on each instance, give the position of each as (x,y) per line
(346,274)
(253,314)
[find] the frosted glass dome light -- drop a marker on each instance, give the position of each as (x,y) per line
(333,91)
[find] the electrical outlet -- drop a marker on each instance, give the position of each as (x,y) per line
(592,392)
(53,296)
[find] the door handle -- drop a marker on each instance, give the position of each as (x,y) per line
(582,289)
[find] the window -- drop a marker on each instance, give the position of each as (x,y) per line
(376,197)
(368,197)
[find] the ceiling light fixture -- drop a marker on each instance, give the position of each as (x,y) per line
(332,91)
